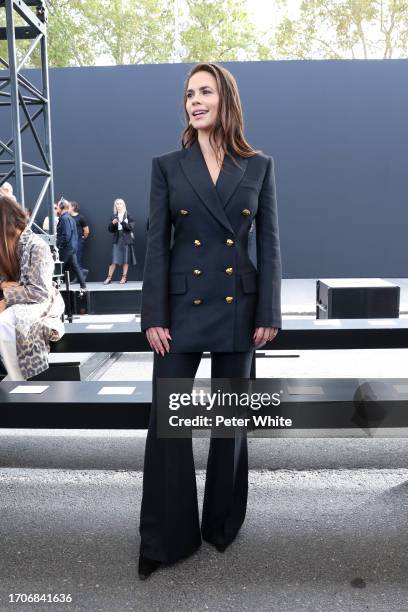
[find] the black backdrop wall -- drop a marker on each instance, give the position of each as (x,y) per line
(337,130)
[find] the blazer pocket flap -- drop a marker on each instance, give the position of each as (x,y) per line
(177,283)
(249,283)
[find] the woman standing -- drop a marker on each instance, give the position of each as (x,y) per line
(205,294)
(30,312)
(123,254)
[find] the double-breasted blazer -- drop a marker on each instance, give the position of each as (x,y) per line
(201,282)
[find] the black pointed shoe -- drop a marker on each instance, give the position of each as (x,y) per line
(147,566)
(221,546)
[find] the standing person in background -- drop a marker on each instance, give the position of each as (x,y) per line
(67,240)
(46,222)
(82,231)
(7,189)
(123,254)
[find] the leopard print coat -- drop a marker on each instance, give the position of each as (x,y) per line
(38,304)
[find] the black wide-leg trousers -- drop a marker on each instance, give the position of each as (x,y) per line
(169,516)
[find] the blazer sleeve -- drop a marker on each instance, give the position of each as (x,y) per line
(155,301)
(269,266)
(128,225)
(112,227)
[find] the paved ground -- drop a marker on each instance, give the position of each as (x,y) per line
(318,540)
(326,527)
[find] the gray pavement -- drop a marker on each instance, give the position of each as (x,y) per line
(315,540)
(124,450)
(325,526)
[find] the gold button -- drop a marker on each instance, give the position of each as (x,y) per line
(196,272)
(245,212)
(197,301)
(229,299)
(229,242)
(197,243)
(183,212)
(229,270)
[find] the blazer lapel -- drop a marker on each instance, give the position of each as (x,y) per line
(215,198)
(230,177)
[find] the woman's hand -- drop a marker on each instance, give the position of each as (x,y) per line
(158,339)
(262,335)
(8,284)
(114,221)
(3,305)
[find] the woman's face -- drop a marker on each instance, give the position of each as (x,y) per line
(120,207)
(202,95)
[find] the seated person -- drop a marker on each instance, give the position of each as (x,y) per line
(31,308)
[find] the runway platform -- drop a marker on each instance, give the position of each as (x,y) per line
(316,404)
(112,327)
(298,297)
(105,299)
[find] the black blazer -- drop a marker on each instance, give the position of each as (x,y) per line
(128,227)
(204,287)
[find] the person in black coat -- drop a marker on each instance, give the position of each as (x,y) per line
(202,292)
(82,230)
(67,241)
(123,254)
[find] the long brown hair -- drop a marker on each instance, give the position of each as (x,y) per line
(13,221)
(229,126)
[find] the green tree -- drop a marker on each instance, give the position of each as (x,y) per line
(219,31)
(80,32)
(343,29)
(21,47)
(87,32)
(69,34)
(130,31)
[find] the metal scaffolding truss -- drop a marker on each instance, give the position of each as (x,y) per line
(27,103)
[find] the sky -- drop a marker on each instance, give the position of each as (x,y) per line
(263,11)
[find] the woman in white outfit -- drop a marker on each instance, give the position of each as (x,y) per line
(31,306)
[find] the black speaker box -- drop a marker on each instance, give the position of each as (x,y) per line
(356,298)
